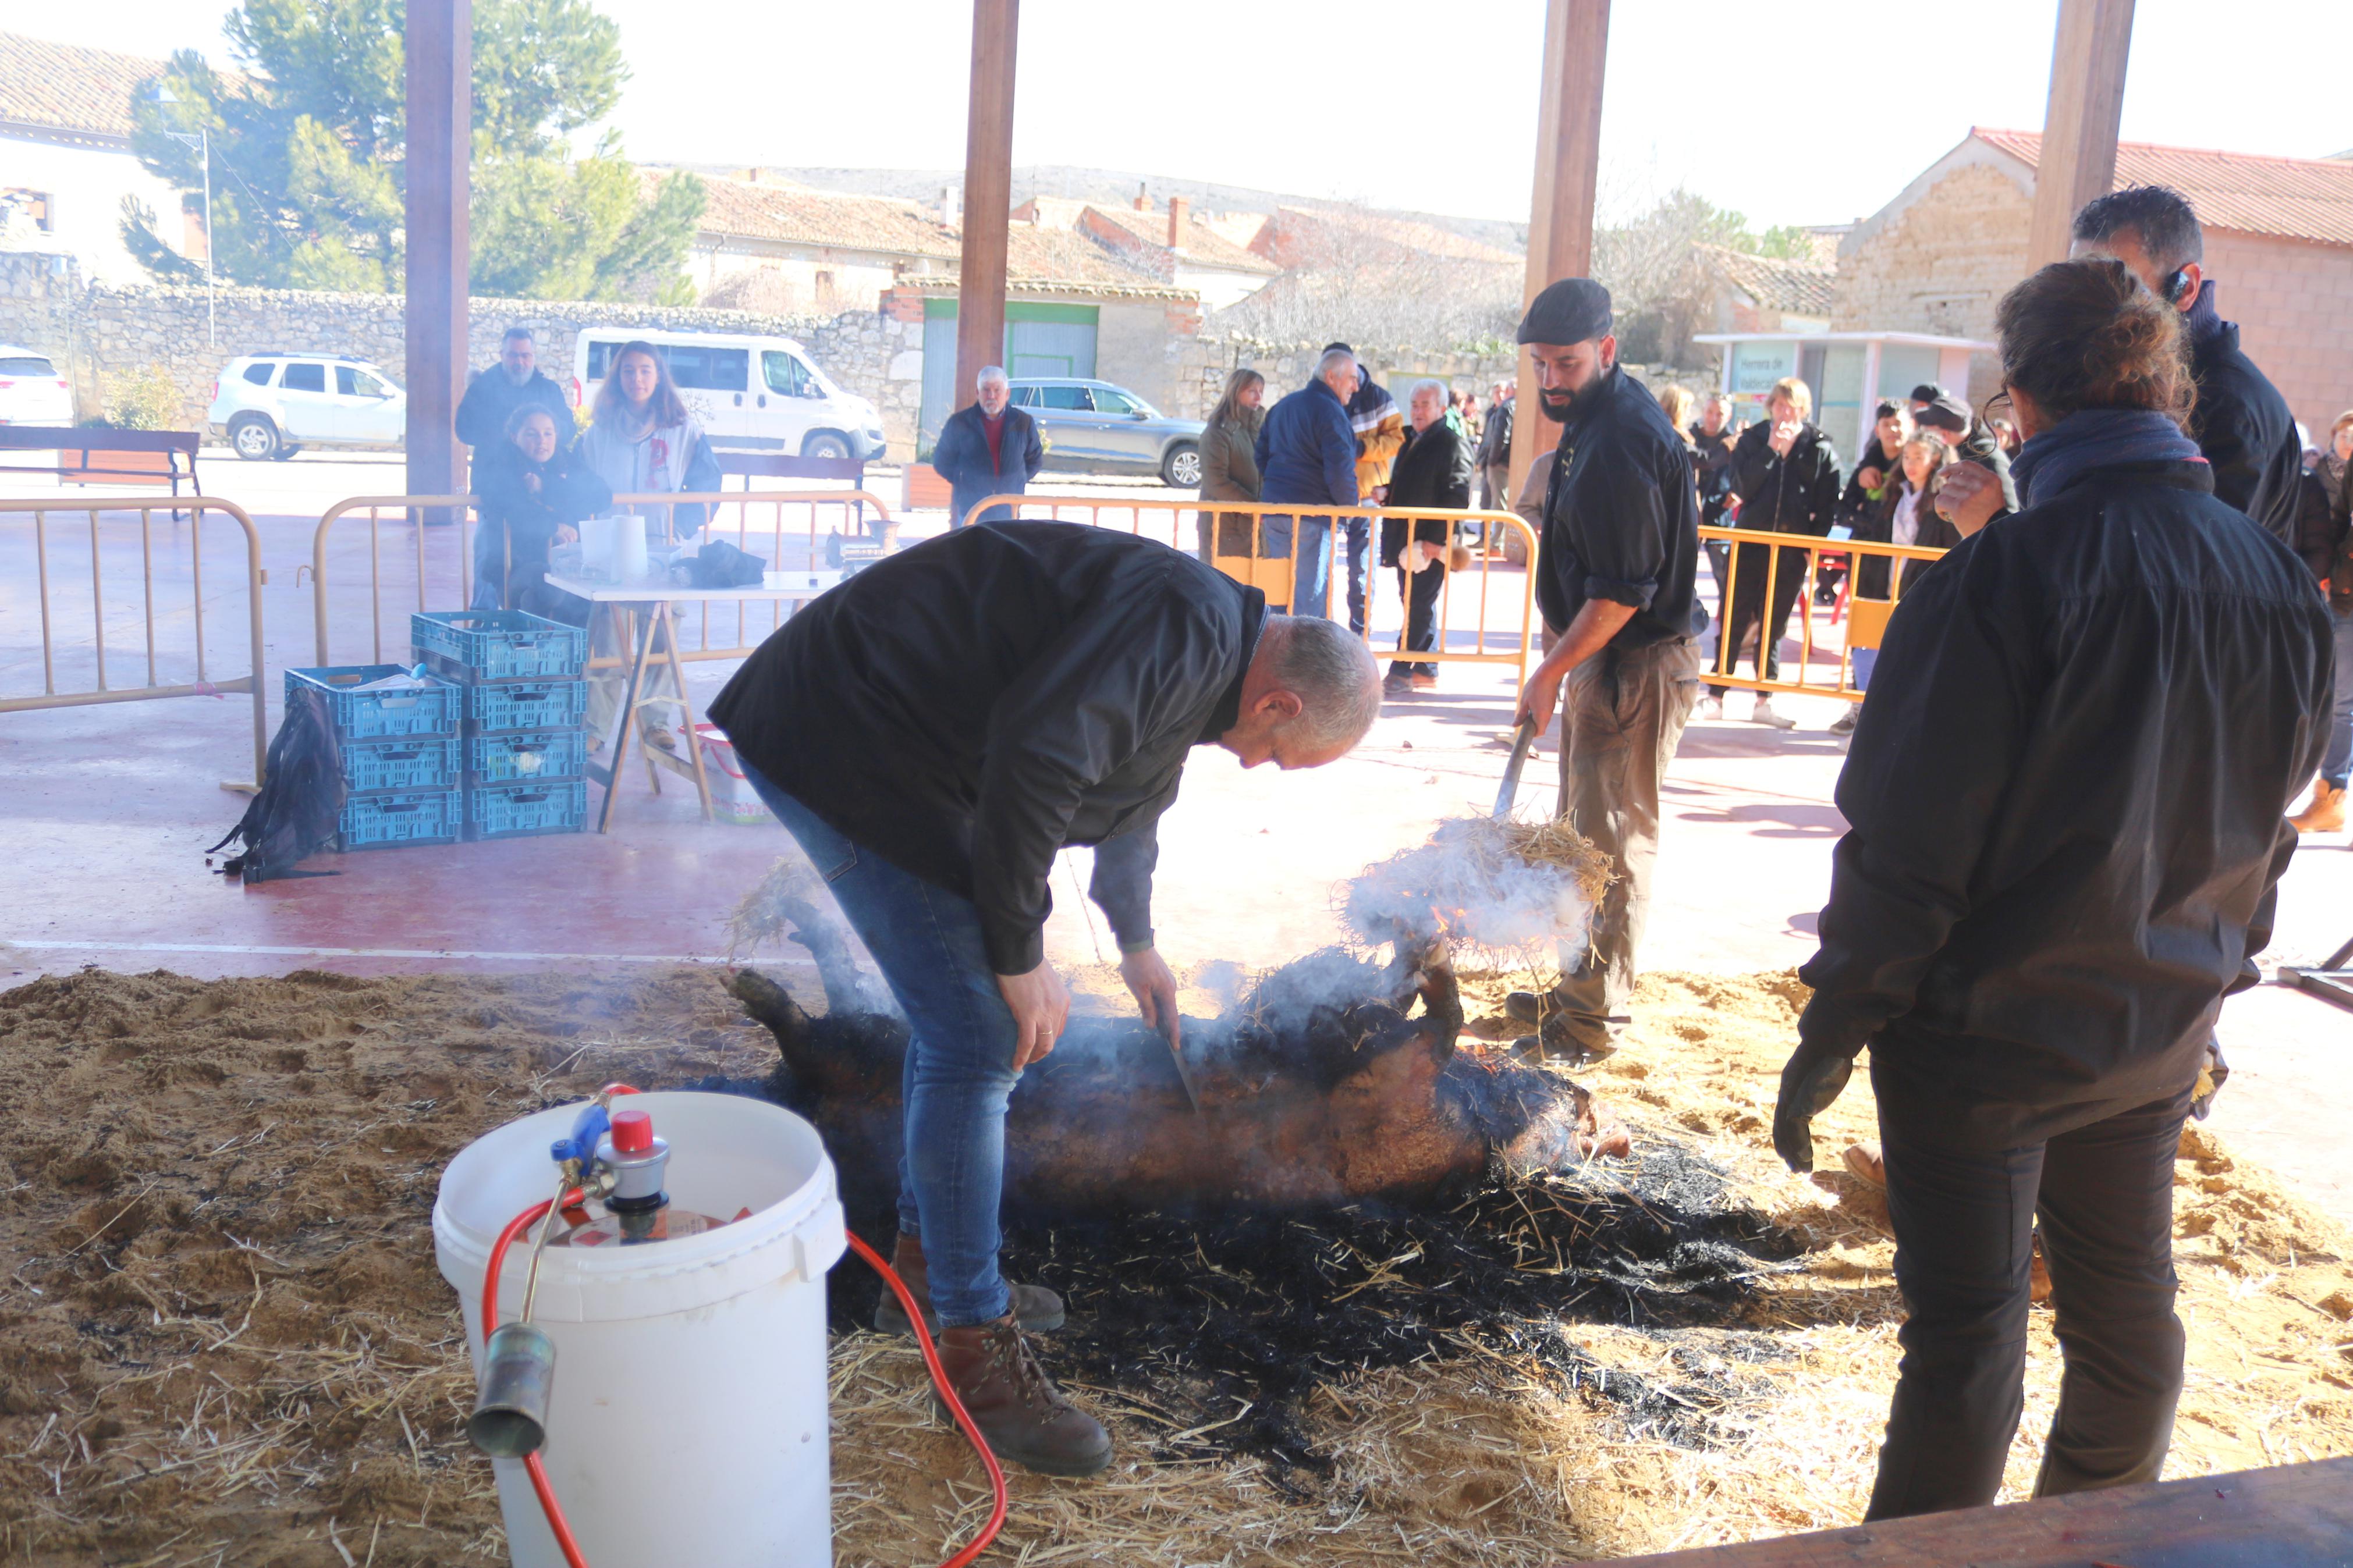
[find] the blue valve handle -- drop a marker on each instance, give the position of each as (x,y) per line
(587,1129)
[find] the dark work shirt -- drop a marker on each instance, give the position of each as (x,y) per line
(2068,792)
(967,707)
(1620,518)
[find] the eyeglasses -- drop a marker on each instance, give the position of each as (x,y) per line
(1999,401)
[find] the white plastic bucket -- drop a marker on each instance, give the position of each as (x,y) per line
(687,1419)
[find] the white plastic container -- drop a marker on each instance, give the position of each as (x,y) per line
(687,1419)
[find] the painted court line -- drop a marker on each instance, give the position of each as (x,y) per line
(47,946)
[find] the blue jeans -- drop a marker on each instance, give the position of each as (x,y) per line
(959,1070)
(1863,662)
(2337,766)
(1311,564)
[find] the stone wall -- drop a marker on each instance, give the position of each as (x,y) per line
(95,329)
(1941,264)
(1199,366)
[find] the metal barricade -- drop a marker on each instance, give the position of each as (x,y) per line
(107,526)
(1866,619)
(444,554)
(1178,523)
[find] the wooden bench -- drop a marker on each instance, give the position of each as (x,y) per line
(2289,1516)
(91,455)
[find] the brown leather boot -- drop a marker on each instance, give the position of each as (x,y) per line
(2326,813)
(1015,1405)
(1038,1309)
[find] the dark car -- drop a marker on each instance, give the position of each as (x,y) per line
(1094,428)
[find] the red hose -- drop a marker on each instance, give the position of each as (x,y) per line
(564,1540)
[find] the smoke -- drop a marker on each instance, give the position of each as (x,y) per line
(1497,885)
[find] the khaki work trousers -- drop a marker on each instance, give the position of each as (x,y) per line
(1623,715)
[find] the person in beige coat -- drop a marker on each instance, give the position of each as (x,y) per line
(1229,463)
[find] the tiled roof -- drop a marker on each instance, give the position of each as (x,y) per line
(1039,256)
(1407,233)
(2296,198)
(1800,287)
(68,88)
(1204,246)
(796,214)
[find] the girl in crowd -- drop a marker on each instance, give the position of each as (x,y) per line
(643,441)
(1905,512)
(1229,463)
(535,491)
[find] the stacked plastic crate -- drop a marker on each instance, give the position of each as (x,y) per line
(399,748)
(524,754)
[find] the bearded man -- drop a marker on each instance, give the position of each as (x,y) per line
(1614,580)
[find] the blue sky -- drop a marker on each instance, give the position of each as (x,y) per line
(1796,113)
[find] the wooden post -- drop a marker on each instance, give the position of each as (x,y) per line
(987,192)
(440,44)
(1568,164)
(2079,124)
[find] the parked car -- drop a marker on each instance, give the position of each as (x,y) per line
(270,405)
(1094,428)
(31,390)
(748,392)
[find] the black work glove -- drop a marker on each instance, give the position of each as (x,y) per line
(1813,1079)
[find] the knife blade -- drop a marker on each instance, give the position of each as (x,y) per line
(1523,739)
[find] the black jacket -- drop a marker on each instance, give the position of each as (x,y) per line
(1714,458)
(1619,519)
(1796,494)
(492,399)
(2242,424)
(1855,502)
(514,517)
(966,708)
(961,457)
(2068,792)
(1495,437)
(1433,469)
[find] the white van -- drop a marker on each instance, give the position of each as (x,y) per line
(749,393)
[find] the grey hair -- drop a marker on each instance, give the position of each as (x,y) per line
(514,332)
(989,372)
(1332,360)
(1334,675)
(1445,393)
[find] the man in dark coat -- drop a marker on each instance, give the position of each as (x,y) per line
(495,394)
(1432,470)
(934,732)
(2241,423)
(1307,453)
(987,447)
(1495,450)
(1785,480)
(1614,578)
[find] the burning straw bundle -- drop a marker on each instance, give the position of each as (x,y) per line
(1498,885)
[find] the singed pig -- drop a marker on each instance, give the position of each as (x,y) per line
(1322,1086)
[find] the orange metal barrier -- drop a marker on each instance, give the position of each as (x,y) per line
(1866,619)
(436,571)
(105,519)
(1176,523)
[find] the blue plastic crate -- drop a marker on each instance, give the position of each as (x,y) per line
(520,810)
(526,756)
(412,763)
(408,817)
(376,715)
(526,705)
(469,646)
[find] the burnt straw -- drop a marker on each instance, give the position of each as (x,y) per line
(1220,1324)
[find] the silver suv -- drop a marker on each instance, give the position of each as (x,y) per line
(1094,428)
(270,405)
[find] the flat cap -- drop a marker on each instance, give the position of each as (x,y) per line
(1572,310)
(1947,412)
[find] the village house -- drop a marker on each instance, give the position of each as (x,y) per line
(1171,247)
(2279,246)
(66,164)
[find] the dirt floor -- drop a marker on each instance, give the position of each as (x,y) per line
(223,1339)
